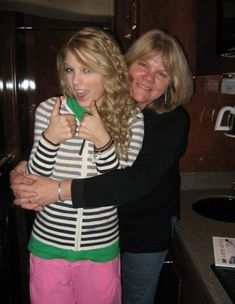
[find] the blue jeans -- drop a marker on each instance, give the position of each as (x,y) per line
(140,275)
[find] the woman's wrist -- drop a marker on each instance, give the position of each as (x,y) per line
(20,167)
(105,147)
(47,137)
(64,190)
(101,142)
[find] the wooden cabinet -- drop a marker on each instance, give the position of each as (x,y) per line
(36,41)
(168,291)
(192,22)
(208,61)
(134,17)
(193,289)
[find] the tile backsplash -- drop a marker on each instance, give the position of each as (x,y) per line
(208,150)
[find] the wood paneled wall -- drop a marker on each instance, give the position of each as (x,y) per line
(208,150)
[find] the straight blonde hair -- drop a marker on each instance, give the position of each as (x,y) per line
(157,42)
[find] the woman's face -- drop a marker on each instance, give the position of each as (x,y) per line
(85,84)
(149,80)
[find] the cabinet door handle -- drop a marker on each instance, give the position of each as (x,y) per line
(134,15)
(132,27)
(7,159)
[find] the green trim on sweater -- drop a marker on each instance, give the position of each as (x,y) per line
(44,251)
(77,109)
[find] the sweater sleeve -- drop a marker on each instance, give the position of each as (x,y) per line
(43,160)
(43,153)
(164,143)
(109,160)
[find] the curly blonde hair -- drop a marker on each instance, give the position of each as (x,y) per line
(98,51)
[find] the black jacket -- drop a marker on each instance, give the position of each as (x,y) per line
(148,192)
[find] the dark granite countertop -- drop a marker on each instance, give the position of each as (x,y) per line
(195,232)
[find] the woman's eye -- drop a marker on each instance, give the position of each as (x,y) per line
(86,70)
(68,70)
(142,64)
(162,75)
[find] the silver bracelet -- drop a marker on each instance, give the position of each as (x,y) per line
(59,200)
(17,170)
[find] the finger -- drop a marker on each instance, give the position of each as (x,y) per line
(20,191)
(24,179)
(56,107)
(31,206)
(20,201)
(27,180)
(94,109)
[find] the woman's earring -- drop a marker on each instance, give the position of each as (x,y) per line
(165,98)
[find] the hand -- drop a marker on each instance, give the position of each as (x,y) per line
(93,129)
(17,179)
(40,192)
(61,126)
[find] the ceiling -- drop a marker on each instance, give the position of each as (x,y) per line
(79,10)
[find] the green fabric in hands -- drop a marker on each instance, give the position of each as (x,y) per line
(78,110)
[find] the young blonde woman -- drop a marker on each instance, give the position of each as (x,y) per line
(93,128)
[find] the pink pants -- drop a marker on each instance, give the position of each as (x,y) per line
(59,281)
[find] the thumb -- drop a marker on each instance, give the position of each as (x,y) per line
(56,107)
(94,109)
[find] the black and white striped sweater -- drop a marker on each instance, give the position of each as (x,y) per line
(59,224)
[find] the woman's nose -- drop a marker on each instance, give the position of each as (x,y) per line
(149,76)
(77,78)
